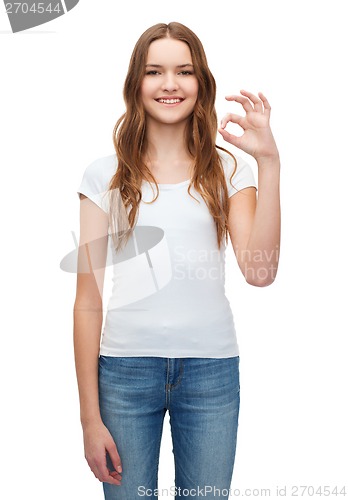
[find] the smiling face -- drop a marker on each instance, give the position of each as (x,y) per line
(169,89)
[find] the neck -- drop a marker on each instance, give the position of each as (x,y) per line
(166,142)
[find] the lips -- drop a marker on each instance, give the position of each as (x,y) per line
(170,100)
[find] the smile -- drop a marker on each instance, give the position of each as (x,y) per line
(170,102)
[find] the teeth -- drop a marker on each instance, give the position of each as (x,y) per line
(169,101)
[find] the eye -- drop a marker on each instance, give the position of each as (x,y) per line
(152,72)
(186,73)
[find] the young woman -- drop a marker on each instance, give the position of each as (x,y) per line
(167,200)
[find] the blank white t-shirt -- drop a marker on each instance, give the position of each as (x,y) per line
(168,295)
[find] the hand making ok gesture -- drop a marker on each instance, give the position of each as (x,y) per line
(257,140)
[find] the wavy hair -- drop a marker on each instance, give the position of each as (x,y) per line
(130,142)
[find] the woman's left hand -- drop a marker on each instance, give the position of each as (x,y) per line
(257,140)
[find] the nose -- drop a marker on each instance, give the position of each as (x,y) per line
(169,82)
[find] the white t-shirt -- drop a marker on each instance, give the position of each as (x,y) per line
(168,294)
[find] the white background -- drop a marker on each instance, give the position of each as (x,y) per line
(61,94)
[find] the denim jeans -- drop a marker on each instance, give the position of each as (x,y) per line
(202,396)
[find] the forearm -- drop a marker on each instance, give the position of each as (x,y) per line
(87,331)
(262,255)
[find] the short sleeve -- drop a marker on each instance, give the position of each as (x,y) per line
(95,181)
(243,176)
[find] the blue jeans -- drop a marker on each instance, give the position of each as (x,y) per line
(202,396)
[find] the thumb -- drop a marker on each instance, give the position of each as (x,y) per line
(232,139)
(115,457)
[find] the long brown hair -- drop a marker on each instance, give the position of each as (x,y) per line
(130,142)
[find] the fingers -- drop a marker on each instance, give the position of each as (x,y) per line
(230,117)
(242,100)
(232,139)
(106,476)
(100,470)
(266,104)
(115,457)
(257,103)
(261,104)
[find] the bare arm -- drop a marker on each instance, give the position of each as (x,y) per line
(254,225)
(88,320)
(88,307)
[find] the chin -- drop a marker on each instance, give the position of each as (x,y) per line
(169,120)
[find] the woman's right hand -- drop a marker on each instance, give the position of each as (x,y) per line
(97,440)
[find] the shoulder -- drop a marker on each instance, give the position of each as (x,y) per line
(238,172)
(230,161)
(101,170)
(96,178)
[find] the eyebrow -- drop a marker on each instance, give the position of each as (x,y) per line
(179,66)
